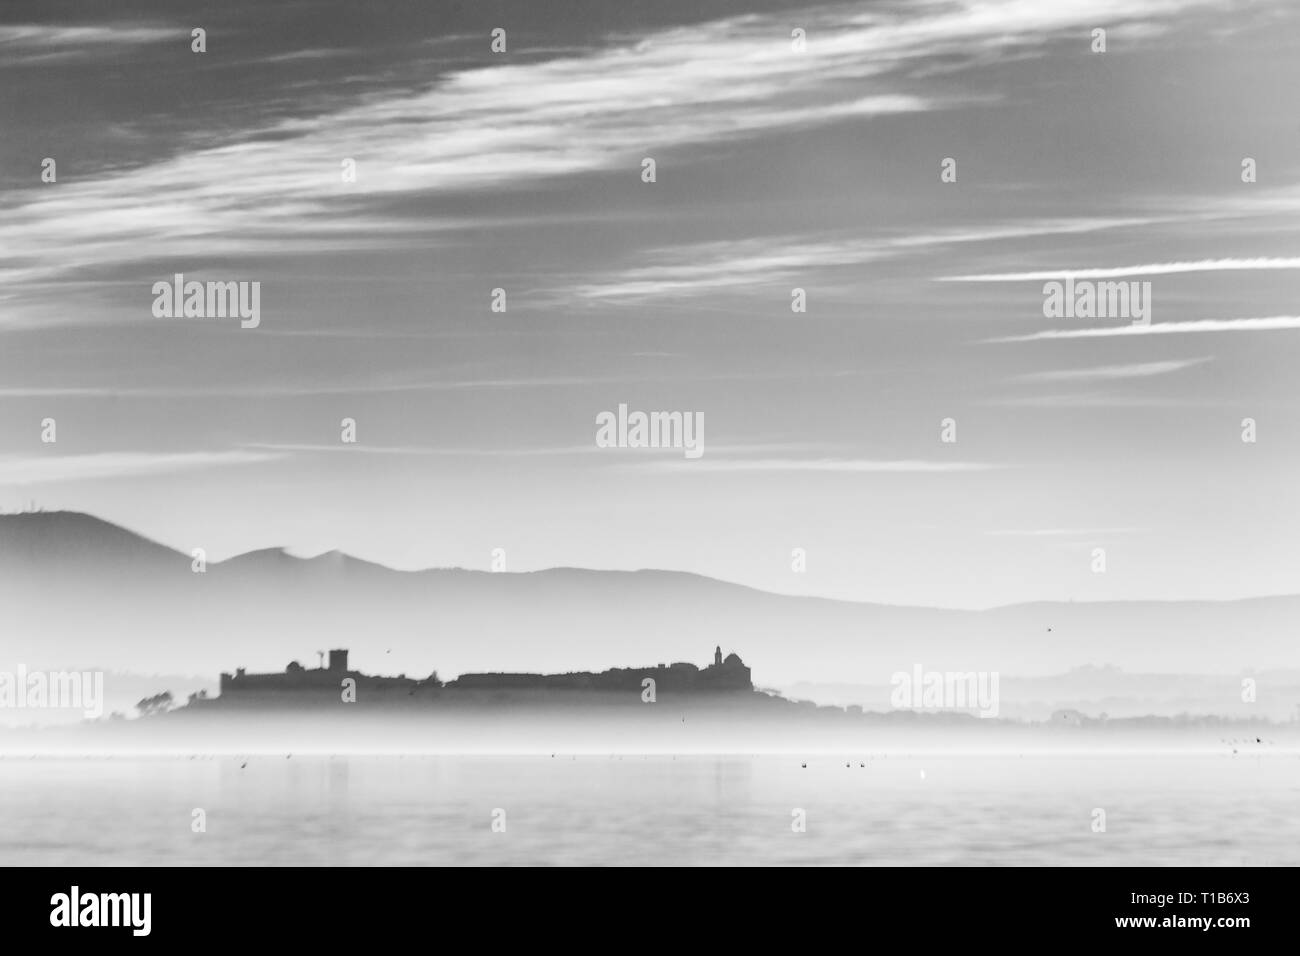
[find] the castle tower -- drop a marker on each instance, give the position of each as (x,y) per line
(338,660)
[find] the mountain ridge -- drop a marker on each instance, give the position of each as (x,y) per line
(100,529)
(74,587)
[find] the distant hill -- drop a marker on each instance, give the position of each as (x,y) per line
(76,590)
(57,540)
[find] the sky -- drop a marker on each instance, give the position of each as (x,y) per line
(775,168)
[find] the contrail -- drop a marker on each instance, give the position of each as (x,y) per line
(1149,269)
(1265,324)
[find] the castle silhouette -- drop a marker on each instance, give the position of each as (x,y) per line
(724,674)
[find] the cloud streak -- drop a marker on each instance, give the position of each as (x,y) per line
(715,265)
(24,44)
(1112,372)
(54,468)
(1149,269)
(1270,323)
(831,465)
(506,127)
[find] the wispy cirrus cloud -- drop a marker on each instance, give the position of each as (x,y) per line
(387,385)
(1148,269)
(714,265)
(507,126)
(23,44)
(35,470)
(1270,323)
(831,465)
(1099,399)
(421,450)
(276,390)
(1112,372)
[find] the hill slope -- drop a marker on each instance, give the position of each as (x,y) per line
(79,591)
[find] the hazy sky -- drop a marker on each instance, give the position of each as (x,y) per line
(776,169)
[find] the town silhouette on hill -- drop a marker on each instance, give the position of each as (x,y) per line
(333,679)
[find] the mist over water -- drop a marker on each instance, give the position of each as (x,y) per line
(895,810)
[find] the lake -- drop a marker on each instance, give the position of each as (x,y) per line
(926,809)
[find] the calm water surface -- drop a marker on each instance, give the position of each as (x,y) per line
(964,810)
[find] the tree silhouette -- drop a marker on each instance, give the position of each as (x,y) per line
(158,704)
